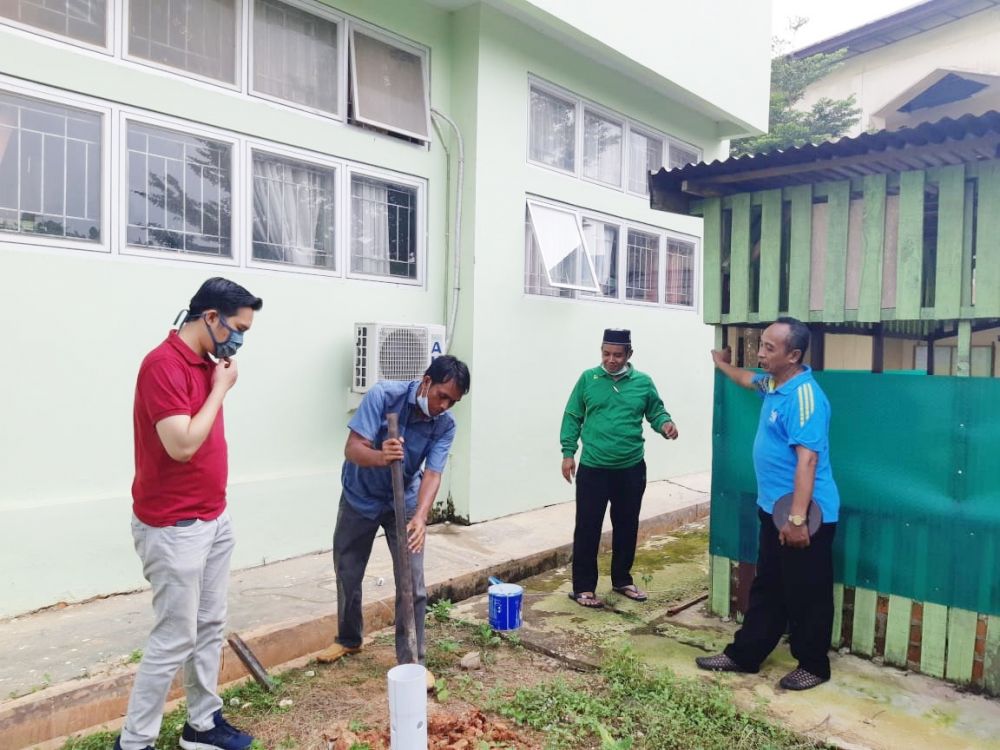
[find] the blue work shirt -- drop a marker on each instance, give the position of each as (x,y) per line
(795,413)
(426,443)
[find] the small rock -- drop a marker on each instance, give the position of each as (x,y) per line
(471,660)
(843,651)
(285,703)
(380,581)
(311,673)
(878,660)
(727,618)
(235,702)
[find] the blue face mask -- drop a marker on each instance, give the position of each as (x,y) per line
(229,347)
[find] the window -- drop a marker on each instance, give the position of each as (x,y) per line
(645,155)
(681,156)
(552,130)
(83,20)
(296,56)
(602,148)
(602,239)
(179,192)
(50,169)
(643,273)
(536,281)
(680,272)
(388,85)
(294,205)
(197,36)
(383,228)
(563,250)
(946,360)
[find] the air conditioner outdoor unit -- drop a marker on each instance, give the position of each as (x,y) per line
(393,351)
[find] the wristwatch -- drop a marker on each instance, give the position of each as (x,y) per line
(796,520)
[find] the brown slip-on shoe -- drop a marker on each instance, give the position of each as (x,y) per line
(334,652)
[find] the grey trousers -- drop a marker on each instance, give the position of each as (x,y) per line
(352,546)
(188,569)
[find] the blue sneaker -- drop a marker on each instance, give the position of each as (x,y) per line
(118,744)
(224,736)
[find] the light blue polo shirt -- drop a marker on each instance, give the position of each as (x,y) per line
(795,413)
(426,444)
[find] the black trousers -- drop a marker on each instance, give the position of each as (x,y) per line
(595,488)
(793,590)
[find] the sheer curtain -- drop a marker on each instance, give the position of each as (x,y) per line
(292,218)
(369,227)
(552,134)
(645,154)
(602,149)
(602,239)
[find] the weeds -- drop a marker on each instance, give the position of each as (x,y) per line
(441,610)
(485,637)
(135,657)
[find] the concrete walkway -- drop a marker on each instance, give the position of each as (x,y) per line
(69,668)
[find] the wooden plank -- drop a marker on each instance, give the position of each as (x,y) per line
(897,630)
(770,255)
(863,638)
(739,259)
(963,350)
(951,219)
(969,218)
(987,278)
(720,586)
(712,251)
(837,225)
(890,249)
(933,637)
(961,644)
(800,254)
(817,257)
(991,661)
(910,255)
(870,296)
(838,615)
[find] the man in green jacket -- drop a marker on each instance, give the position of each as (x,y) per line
(606,409)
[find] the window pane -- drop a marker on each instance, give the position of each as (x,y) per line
(198,36)
(552,130)
(383,228)
(680,272)
(293,212)
(563,249)
(536,281)
(602,149)
(645,154)
(295,55)
(643,267)
(180,194)
(681,156)
(390,86)
(50,181)
(981,364)
(602,241)
(85,20)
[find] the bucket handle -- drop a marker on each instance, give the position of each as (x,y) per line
(494,580)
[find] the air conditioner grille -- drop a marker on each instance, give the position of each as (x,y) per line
(402,353)
(361,357)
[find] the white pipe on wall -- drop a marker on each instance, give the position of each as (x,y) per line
(457,236)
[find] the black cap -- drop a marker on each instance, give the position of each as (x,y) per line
(619,336)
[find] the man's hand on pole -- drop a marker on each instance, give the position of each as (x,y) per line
(569,469)
(392,450)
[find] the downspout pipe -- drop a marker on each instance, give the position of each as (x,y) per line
(456,250)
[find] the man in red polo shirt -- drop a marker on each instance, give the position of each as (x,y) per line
(180,525)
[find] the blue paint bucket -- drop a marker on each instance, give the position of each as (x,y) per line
(505,606)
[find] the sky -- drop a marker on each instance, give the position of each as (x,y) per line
(828,17)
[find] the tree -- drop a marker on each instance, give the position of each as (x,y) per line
(791,126)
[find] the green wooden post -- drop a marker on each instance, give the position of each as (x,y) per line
(800,256)
(910,255)
(872,250)
(770,255)
(961,644)
(720,586)
(836,636)
(863,631)
(712,252)
(932,639)
(969,216)
(835,278)
(951,220)
(991,659)
(963,353)
(987,301)
(897,630)
(739,260)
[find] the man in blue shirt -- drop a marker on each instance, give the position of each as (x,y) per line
(793,587)
(366,503)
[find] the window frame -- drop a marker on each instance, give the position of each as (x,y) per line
(647,133)
(347,209)
(252,145)
(237,197)
(55,97)
(552,206)
(326,13)
(240,19)
(622,122)
(107,49)
(557,93)
(393,40)
(669,144)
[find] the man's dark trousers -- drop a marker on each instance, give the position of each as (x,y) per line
(793,590)
(595,488)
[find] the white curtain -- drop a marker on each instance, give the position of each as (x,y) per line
(602,240)
(369,227)
(552,130)
(602,149)
(645,154)
(292,218)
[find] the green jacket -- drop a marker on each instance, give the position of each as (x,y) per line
(608,414)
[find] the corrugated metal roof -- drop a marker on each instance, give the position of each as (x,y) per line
(966,139)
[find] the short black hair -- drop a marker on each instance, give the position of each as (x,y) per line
(223,295)
(446,368)
(798,335)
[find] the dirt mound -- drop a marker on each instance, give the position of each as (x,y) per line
(445,731)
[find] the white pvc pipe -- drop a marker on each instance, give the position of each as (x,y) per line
(408,707)
(457,237)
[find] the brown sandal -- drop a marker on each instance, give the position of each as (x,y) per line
(632,592)
(587,599)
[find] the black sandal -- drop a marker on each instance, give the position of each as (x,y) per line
(631,592)
(800,679)
(718,663)
(587,599)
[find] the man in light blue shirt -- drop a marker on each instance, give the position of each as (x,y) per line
(366,503)
(793,587)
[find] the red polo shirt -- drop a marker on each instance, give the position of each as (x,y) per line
(174,380)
